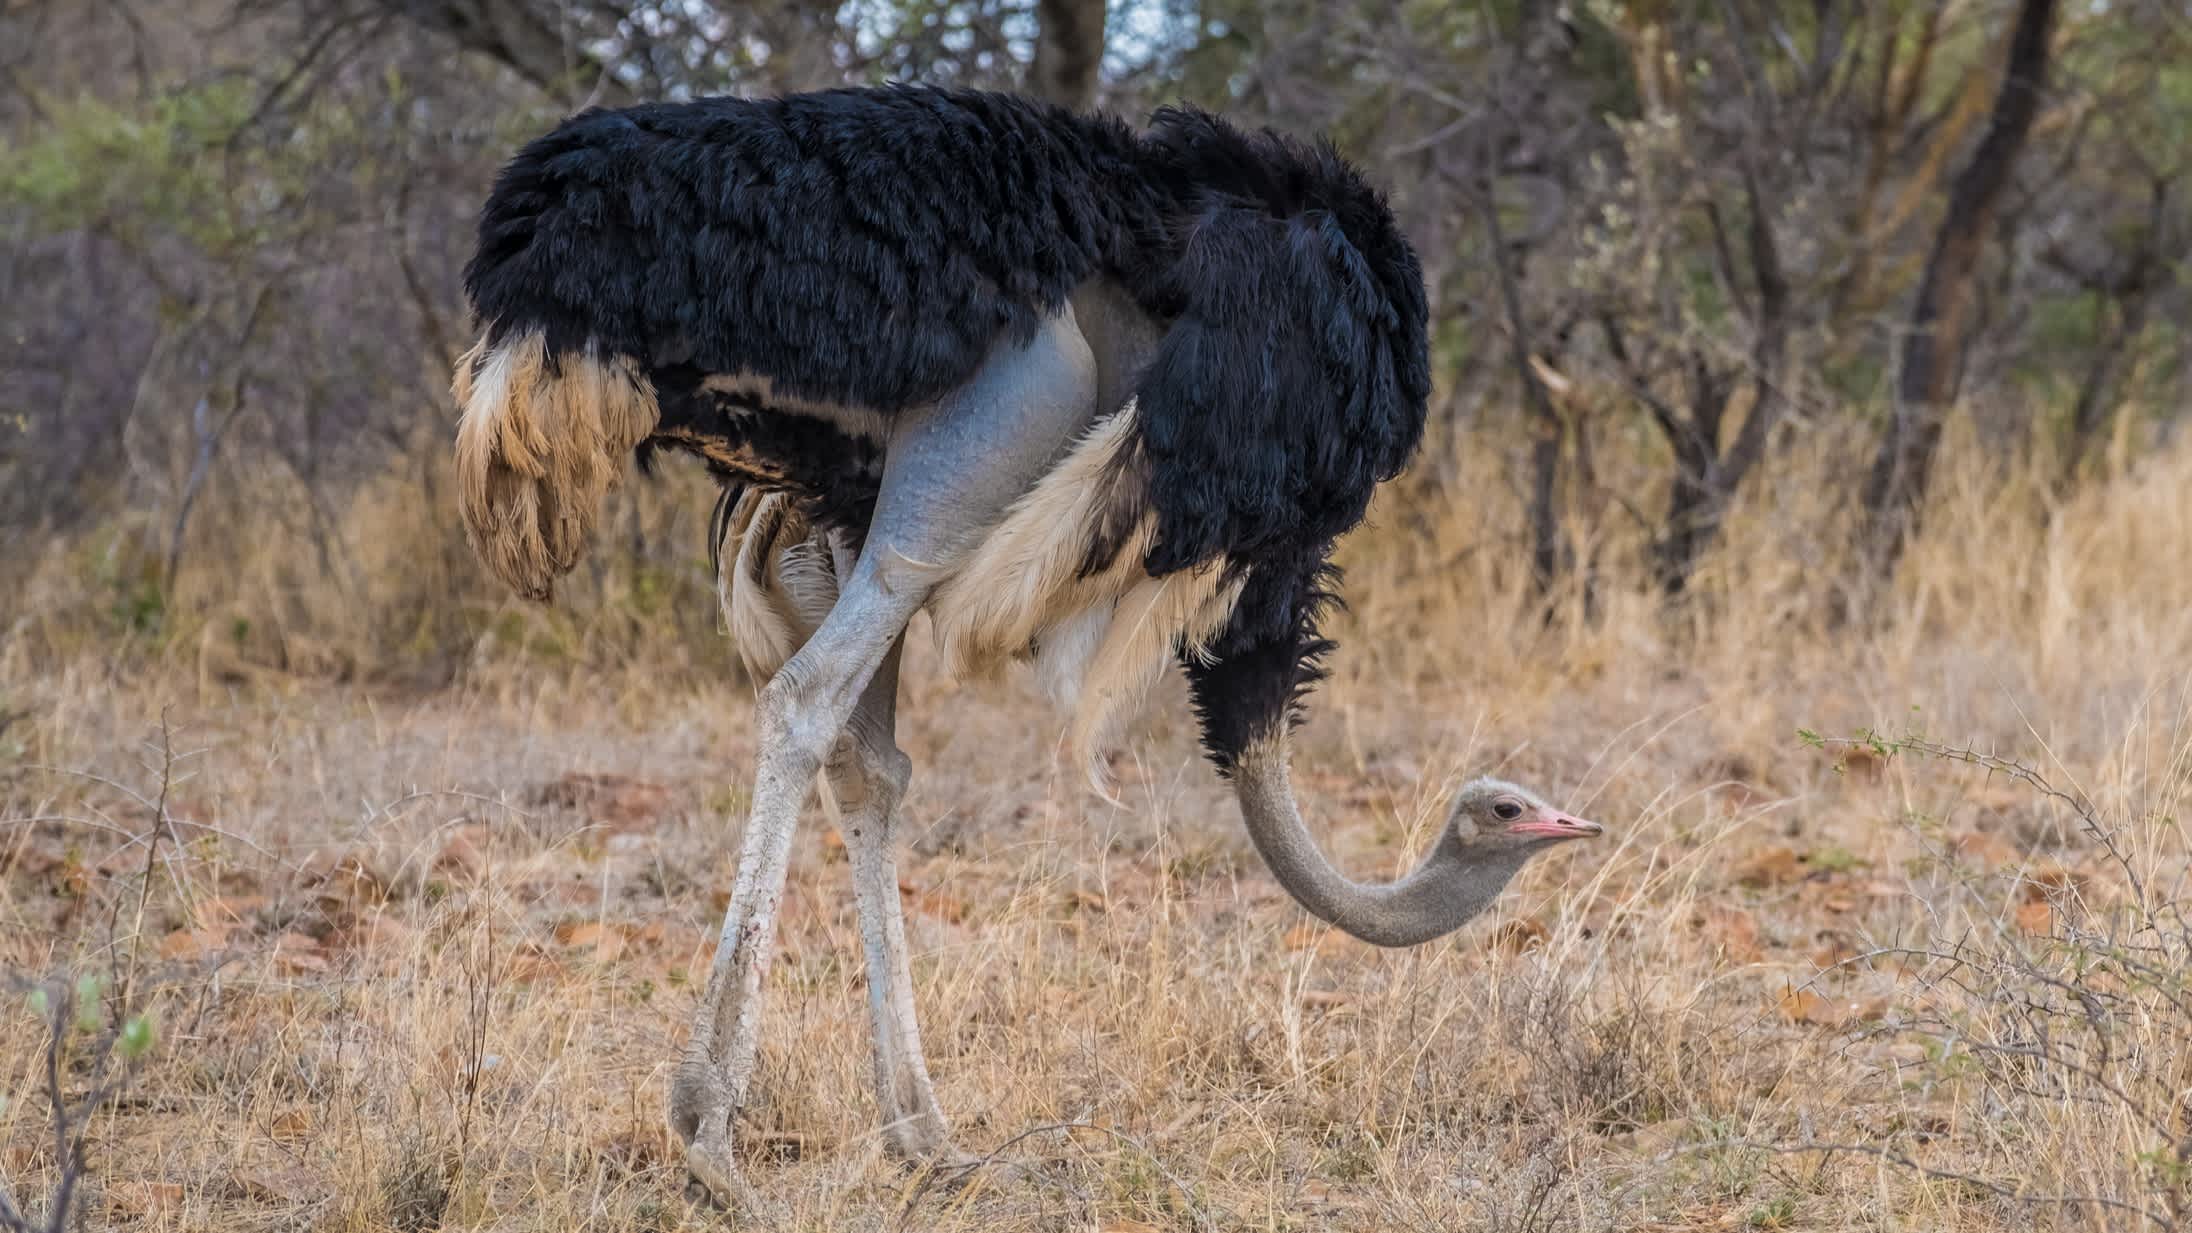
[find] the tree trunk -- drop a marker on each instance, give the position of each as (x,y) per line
(524,37)
(1701,486)
(1706,480)
(1069,49)
(1693,506)
(1941,320)
(1550,553)
(2097,396)
(2096,405)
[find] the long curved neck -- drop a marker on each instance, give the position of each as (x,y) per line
(1439,896)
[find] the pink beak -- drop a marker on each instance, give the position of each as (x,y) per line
(1553,824)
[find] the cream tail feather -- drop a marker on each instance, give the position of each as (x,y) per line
(539,447)
(778,580)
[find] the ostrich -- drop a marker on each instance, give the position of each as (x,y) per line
(1094,397)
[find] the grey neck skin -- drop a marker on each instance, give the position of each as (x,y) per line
(1440,895)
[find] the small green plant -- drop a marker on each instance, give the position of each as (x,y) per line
(81,1038)
(1834,858)
(11,747)
(1779,1214)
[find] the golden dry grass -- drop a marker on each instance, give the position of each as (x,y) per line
(412,968)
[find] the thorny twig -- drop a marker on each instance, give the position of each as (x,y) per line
(1901,1160)
(2088,818)
(955,1174)
(160,826)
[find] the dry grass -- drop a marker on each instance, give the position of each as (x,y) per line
(410,974)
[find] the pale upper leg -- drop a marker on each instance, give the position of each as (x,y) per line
(950,472)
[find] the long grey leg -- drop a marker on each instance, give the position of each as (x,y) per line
(869,772)
(950,472)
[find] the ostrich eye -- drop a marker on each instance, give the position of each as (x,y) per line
(1507,811)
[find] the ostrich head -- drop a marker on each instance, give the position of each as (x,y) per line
(1491,816)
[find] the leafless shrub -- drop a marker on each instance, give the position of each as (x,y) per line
(2089,1014)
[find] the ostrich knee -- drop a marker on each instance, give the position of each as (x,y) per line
(868,780)
(796,722)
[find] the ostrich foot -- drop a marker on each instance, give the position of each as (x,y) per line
(923,1140)
(715,1173)
(703,1115)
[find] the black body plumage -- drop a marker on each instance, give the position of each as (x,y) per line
(867,247)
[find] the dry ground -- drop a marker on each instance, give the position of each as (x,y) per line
(421,960)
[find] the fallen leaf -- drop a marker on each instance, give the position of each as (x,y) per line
(528,962)
(1735,932)
(69,877)
(1519,935)
(145,1198)
(1308,936)
(1984,850)
(944,907)
(606,942)
(1733,796)
(2051,880)
(1652,1139)
(1805,1006)
(1862,761)
(615,802)
(1776,866)
(461,856)
(294,1184)
(190,945)
(1836,951)
(298,953)
(677,947)
(228,911)
(377,931)
(2036,916)
(347,880)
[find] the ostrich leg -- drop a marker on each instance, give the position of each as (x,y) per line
(951,469)
(868,772)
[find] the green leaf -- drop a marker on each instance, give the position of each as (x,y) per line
(136,1036)
(88,988)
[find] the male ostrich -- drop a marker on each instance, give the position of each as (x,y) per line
(1091,396)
